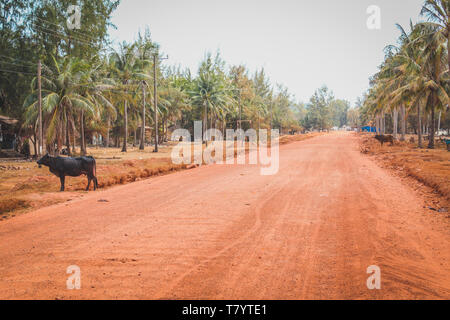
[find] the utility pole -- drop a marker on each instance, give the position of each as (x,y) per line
(271,110)
(155,102)
(240,111)
(155,97)
(205,124)
(125,119)
(241,136)
(271,115)
(40,144)
(142,145)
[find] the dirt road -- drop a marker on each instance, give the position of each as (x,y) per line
(226,232)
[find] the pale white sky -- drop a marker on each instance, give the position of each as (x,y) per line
(301,44)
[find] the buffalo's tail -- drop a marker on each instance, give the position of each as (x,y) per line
(94,168)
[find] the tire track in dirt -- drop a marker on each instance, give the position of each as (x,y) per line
(255,227)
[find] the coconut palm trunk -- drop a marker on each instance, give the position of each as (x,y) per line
(403,111)
(380,125)
(205,123)
(67,129)
(439,122)
(165,129)
(125,120)
(395,117)
(108,123)
(377,124)
(34,140)
(72,124)
(380,120)
(419,126)
(74,142)
(142,144)
(59,137)
(432,126)
(83,141)
(224,126)
(68,138)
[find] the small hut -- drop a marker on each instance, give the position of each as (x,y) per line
(8,133)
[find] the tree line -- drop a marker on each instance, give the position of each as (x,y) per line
(410,93)
(94,92)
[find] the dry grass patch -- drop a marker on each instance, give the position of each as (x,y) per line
(9,205)
(430,167)
(299,137)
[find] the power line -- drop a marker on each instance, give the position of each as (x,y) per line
(23,61)
(58,32)
(18,72)
(66,38)
(14,64)
(60,35)
(41,28)
(59,26)
(27,73)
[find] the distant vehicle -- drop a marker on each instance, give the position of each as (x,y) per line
(369,129)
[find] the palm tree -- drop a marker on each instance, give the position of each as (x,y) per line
(109,113)
(412,74)
(145,49)
(128,69)
(94,88)
(209,90)
(262,91)
(393,76)
(61,99)
(433,59)
(438,14)
(173,101)
(435,34)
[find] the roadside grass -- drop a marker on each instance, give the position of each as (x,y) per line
(429,167)
(25,187)
(299,137)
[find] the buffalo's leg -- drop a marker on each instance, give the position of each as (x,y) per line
(62,178)
(95,183)
(89,183)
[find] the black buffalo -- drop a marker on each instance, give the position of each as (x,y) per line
(383,139)
(73,167)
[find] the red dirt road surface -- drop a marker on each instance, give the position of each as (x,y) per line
(226,232)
